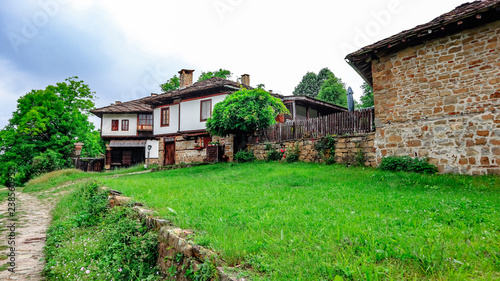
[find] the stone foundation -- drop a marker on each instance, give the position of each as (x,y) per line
(185,151)
(346,149)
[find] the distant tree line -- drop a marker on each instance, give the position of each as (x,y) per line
(327,87)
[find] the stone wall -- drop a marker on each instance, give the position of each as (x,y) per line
(346,149)
(441,100)
(185,151)
(173,241)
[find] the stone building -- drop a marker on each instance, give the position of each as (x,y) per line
(437,90)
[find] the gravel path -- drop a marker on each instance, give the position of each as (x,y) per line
(32,217)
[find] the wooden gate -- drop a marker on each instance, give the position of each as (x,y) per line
(169,153)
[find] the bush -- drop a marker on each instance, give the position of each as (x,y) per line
(244,156)
(88,241)
(293,155)
(407,164)
(273,155)
(326,145)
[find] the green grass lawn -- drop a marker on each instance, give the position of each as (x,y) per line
(57,178)
(314,222)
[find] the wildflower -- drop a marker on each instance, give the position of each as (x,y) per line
(282,151)
(82,268)
(120,270)
(88,271)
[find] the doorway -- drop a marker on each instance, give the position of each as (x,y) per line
(169,153)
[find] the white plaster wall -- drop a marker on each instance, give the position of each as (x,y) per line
(154,149)
(106,124)
(190,113)
(174,121)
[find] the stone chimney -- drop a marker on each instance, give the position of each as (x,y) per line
(245,79)
(154,94)
(186,78)
(118,102)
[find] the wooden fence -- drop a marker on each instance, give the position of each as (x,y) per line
(343,123)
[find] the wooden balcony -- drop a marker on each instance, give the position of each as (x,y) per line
(145,128)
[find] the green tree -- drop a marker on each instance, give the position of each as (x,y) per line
(45,127)
(333,91)
(221,73)
(245,112)
(367,97)
(172,84)
(311,83)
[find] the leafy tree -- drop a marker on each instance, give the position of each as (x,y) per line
(308,86)
(311,83)
(172,84)
(333,91)
(221,73)
(41,134)
(244,112)
(367,97)
(323,75)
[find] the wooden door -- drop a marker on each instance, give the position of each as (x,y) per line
(127,158)
(169,153)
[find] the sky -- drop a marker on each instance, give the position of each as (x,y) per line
(125,49)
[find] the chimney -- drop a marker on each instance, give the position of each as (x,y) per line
(154,94)
(118,102)
(245,80)
(186,78)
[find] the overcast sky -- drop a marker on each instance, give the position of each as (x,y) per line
(124,49)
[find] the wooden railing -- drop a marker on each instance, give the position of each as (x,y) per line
(343,123)
(144,127)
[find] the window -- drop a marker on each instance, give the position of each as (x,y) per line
(165,116)
(205,110)
(114,125)
(145,119)
(124,125)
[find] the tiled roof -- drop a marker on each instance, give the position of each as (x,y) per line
(212,83)
(133,106)
(127,143)
(465,16)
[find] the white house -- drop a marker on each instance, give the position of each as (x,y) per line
(180,118)
(128,127)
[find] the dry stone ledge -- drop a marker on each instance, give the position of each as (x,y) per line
(173,240)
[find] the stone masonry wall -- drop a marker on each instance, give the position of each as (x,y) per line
(173,241)
(185,152)
(346,149)
(441,100)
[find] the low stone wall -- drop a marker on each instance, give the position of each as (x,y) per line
(346,149)
(173,241)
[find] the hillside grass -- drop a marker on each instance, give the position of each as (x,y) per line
(61,177)
(315,222)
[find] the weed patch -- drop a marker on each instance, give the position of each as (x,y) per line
(88,241)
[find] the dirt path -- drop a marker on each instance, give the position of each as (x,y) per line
(33,218)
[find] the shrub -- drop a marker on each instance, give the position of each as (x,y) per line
(323,146)
(293,155)
(407,164)
(88,241)
(273,155)
(244,156)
